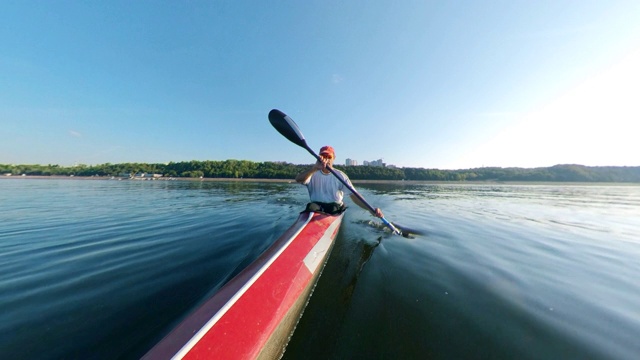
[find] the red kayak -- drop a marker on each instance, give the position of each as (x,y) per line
(255,313)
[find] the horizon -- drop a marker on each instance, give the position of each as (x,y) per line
(341,165)
(428,85)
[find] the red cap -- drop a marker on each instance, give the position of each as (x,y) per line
(327,150)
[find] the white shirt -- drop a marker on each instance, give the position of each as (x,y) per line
(326,187)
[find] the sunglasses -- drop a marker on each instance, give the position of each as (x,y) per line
(326,156)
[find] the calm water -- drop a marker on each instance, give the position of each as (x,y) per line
(103,269)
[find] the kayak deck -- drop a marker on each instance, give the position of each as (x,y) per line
(254,314)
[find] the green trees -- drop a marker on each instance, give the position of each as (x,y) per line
(372,173)
(281,170)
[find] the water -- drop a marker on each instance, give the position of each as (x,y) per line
(103,269)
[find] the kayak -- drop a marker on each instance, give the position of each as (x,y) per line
(254,314)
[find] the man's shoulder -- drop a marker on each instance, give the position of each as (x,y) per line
(339,172)
(342,174)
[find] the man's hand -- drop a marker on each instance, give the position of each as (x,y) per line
(378,213)
(323,164)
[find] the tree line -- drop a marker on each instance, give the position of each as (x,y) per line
(281,170)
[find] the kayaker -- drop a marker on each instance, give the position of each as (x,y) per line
(326,192)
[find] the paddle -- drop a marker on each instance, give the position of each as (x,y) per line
(289,129)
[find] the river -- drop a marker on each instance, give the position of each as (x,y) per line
(103,269)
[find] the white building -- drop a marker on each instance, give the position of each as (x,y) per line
(373,163)
(351,162)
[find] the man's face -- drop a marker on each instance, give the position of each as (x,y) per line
(327,157)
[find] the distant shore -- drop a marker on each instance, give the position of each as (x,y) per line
(290,181)
(243,170)
(58,177)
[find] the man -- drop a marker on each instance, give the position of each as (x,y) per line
(325,190)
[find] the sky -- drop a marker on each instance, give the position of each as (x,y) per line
(431,84)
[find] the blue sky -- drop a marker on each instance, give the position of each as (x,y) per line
(433,84)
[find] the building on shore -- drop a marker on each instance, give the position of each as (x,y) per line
(379,163)
(374,163)
(139,176)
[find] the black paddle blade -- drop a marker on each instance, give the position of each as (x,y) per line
(407,232)
(287,127)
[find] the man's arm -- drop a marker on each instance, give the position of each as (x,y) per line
(305,175)
(357,201)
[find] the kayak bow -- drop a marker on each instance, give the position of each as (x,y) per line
(255,313)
